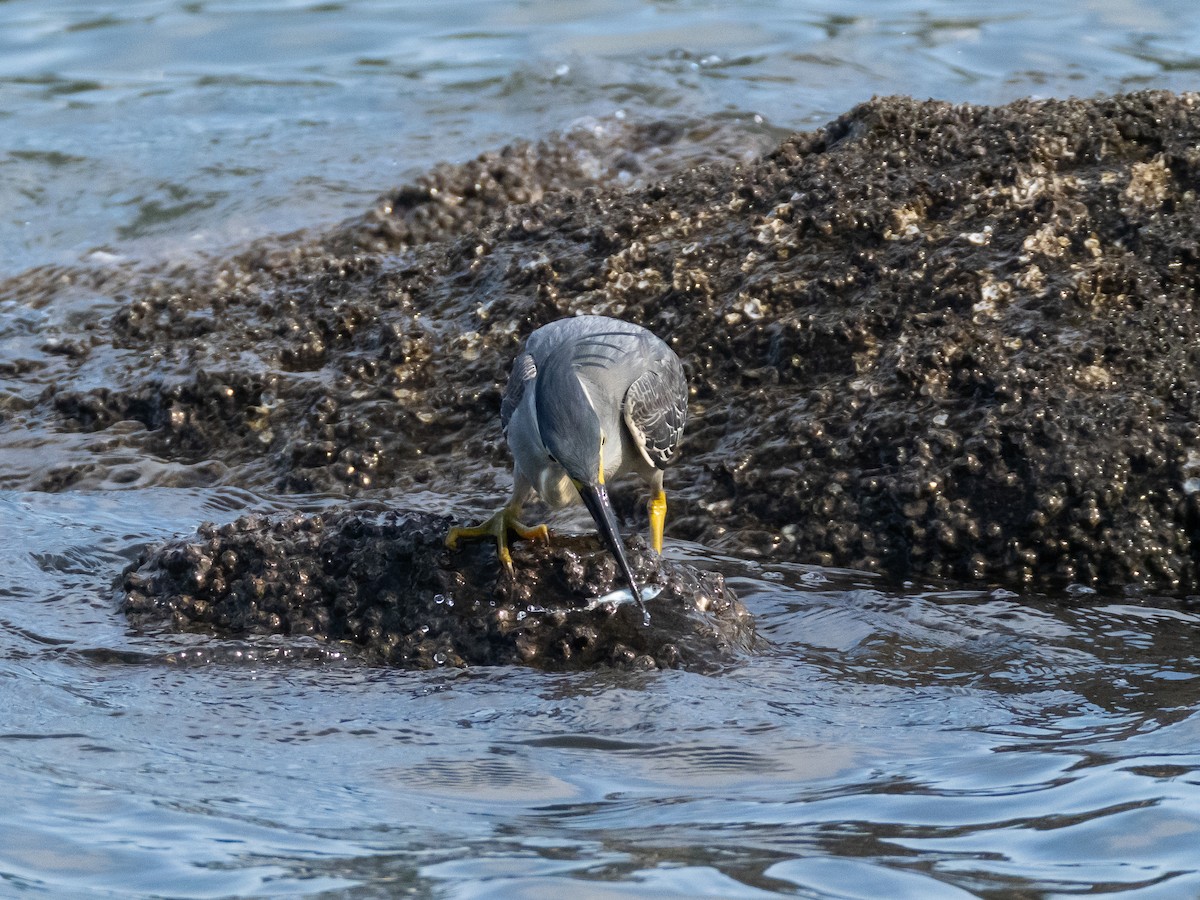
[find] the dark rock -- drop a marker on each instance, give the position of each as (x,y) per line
(932,340)
(387,588)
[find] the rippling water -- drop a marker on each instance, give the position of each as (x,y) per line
(910,744)
(925,744)
(154,124)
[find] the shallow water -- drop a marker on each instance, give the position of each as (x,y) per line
(922,743)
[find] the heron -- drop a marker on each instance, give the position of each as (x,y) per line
(589,398)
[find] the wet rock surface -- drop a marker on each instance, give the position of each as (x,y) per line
(386,588)
(930,340)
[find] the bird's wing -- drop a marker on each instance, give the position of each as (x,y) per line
(656,410)
(524,370)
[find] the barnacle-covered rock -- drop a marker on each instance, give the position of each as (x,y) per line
(385,588)
(929,339)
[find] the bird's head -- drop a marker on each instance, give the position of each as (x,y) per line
(570,427)
(574,437)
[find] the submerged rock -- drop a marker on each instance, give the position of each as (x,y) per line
(387,588)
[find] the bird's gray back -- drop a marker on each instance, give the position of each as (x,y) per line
(629,372)
(631,376)
(599,341)
(598,337)
(607,353)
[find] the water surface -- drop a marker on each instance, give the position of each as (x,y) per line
(159,125)
(920,743)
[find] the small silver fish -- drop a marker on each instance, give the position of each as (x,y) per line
(625,595)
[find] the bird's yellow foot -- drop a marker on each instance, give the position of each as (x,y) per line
(498,526)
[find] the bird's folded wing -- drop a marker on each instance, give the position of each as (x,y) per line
(523,371)
(655,411)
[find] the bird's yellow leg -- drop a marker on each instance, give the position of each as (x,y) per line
(658,518)
(498,526)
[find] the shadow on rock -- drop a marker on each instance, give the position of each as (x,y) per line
(387,587)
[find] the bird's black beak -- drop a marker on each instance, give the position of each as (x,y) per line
(595,498)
